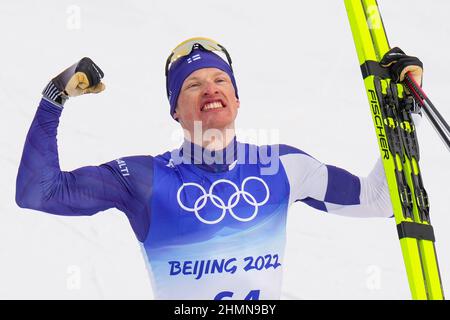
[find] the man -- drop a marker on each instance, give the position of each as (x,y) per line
(211,215)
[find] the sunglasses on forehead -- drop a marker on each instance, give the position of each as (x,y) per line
(186,47)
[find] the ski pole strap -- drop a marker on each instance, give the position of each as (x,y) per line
(373,68)
(415,230)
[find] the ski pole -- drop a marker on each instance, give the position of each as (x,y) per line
(433,115)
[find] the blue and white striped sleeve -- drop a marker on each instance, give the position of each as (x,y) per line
(335,190)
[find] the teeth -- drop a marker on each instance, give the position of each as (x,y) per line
(213,105)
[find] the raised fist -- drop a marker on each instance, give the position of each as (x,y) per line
(80,78)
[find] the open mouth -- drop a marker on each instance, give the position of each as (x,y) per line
(213,105)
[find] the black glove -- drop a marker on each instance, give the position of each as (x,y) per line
(80,78)
(399,64)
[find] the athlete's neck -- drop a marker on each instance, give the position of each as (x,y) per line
(210,160)
(210,139)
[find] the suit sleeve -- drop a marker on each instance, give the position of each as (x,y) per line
(41,185)
(332,189)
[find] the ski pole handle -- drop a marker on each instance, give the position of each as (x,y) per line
(436,119)
(415,89)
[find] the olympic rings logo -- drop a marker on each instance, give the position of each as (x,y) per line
(233,200)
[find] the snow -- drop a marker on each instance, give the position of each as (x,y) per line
(297,73)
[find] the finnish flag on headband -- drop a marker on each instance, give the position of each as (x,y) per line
(194,58)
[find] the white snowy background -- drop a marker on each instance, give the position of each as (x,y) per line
(297,72)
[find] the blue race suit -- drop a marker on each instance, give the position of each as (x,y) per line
(209,230)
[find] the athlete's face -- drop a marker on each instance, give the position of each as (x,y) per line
(208,96)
